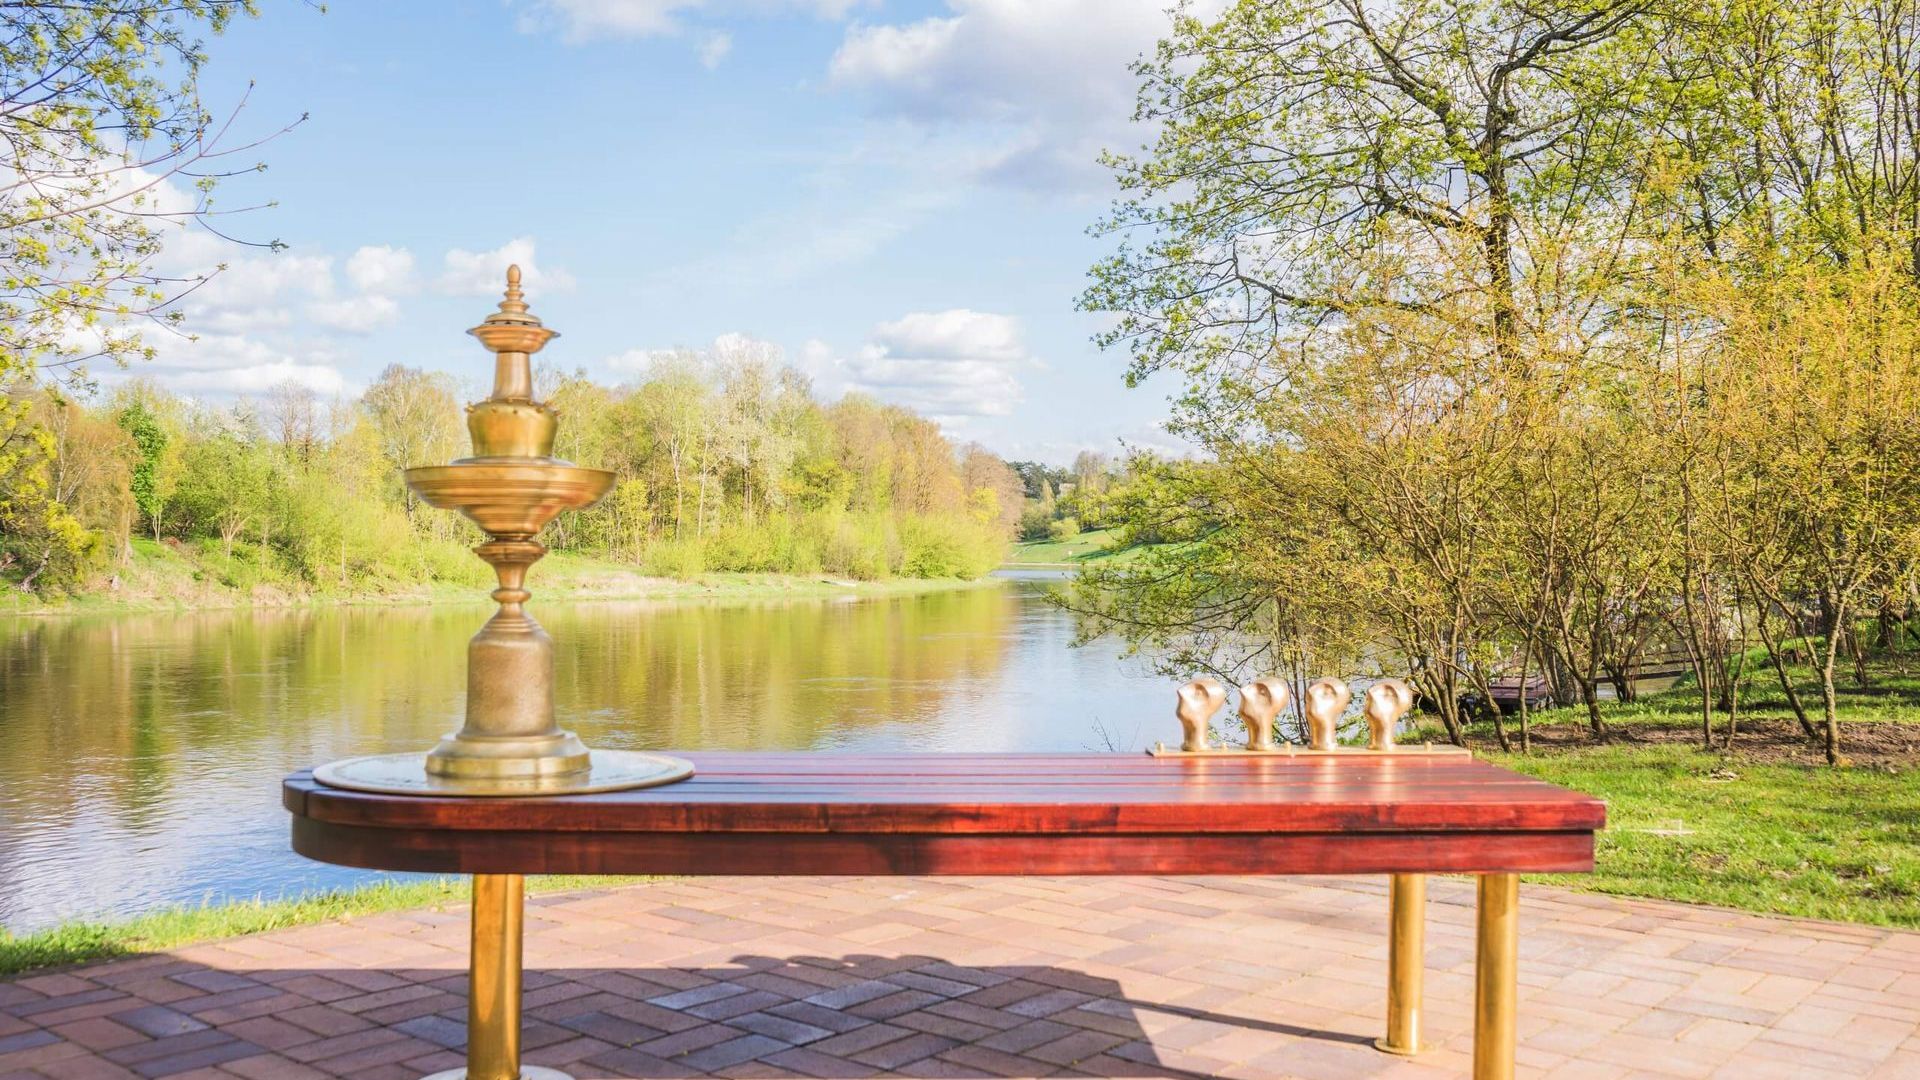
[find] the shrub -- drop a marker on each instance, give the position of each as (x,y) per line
(941,547)
(682,560)
(1065,529)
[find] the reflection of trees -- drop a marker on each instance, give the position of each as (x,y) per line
(126,713)
(124,708)
(773,675)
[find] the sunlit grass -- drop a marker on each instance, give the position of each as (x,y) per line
(1786,839)
(156,931)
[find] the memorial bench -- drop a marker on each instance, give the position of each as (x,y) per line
(813,814)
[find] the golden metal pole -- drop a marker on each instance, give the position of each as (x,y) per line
(493,982)
(1496,977)
(493,1006)
(1406,962)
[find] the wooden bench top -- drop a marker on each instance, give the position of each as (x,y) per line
(827,813)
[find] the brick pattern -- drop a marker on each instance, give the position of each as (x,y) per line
(1117,977)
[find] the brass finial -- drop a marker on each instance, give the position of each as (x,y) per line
(513,309)
(514,335)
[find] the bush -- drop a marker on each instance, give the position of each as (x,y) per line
(942,547)
(682,560)
(1065,529)
(859,547)
(1036,522)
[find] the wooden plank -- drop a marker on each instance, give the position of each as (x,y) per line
(541,852)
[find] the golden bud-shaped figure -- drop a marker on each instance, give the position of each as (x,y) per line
(1384,703)
(1199,700)
(1326,699)
(1260,701)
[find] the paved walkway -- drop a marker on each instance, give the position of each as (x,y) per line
(1118,977)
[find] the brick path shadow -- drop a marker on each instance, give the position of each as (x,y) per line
(804,1016)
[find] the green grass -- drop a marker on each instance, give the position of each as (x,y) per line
(76,943)
(1073,551)
(1786,839)
(1763,826)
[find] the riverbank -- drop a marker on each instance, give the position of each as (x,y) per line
(160,577)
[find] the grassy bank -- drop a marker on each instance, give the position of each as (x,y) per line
(166,577)
(1762,824)
(1074,551)
(76,943)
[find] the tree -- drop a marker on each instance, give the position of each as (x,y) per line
(292,414)
(153,479)
(226,486)
(415,415)
(101,114)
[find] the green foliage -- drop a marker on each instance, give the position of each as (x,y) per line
(1519,335)
(102,114)
(76,943)
(1064,529)
(150,443)
(946,547)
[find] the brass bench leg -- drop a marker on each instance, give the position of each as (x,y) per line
(1406,961)
(1496,977)
(493,981)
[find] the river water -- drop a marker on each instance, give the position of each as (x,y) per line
(141,755)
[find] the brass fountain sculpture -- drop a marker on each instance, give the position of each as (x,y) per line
(511,487)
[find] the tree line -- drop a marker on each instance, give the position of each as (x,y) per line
(726,462)
(1523,340)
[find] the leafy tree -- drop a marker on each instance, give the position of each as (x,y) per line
(150,484)
(101,115)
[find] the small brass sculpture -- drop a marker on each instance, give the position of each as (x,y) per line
(1260,701)
(1384,703)
(1327,699)
(1199,700)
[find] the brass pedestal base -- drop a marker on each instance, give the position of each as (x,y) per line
(406,774)
(527,1072)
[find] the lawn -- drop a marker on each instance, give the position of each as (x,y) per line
(1763,825)
(1073,551)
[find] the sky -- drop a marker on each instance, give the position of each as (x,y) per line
(896,194)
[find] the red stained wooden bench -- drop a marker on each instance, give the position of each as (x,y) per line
(1402,813)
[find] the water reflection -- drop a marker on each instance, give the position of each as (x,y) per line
(142,753)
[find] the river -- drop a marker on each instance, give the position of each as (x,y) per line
(141,754)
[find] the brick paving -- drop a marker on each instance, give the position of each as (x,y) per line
(1117,977)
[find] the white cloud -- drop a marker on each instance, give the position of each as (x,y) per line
(322,379)
(484,273)
(232,364)
(355,315)
(253,293)
(1047,82)
(382,269)
(948,365)
(715,49)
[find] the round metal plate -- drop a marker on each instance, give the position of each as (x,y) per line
(406,774)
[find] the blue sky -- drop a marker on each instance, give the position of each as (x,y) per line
(895,194)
